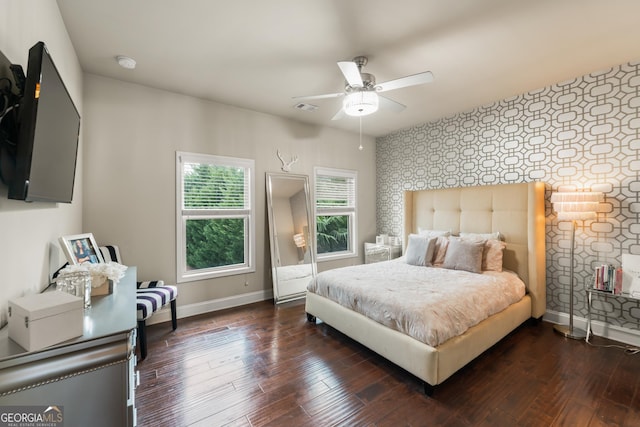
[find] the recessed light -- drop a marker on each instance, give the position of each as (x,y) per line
(126,62)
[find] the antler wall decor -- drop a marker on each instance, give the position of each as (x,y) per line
(286,166)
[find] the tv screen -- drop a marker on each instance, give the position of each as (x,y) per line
(49,127)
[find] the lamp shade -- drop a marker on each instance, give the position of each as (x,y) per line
(298,239)
(577,205)
(360,103)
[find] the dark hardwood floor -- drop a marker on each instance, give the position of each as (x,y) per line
(262,365)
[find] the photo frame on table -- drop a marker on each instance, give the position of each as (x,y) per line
(81,248)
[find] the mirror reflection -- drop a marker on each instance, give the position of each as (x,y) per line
(292,257)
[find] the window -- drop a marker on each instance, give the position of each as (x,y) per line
(335,193)
(215,216)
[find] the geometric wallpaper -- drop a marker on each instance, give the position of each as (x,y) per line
(581,133)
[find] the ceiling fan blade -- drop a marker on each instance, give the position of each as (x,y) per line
(340,114)
(390,104)
(351,73)
(324,96)
(416,79)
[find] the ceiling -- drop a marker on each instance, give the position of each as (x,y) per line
(258,54)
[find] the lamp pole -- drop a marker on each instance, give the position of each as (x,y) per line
(570,331)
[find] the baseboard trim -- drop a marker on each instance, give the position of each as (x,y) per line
(188,310)
(598,328)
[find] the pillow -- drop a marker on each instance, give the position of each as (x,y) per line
(433,233)
(482,236)
(420,250)
(492,255)
(440,250)
(464,255)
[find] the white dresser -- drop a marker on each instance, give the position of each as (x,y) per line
(92,377)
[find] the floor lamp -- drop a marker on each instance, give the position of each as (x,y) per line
(574,206)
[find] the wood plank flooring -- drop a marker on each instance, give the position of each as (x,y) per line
(265,365)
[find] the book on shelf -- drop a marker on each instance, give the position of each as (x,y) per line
(608,278)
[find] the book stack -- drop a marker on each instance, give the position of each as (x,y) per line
(608,279)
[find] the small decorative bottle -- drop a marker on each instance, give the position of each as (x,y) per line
(86,294)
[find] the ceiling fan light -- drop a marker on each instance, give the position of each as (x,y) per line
(360,103)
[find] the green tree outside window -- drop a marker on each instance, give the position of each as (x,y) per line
(214,242)
(333,233)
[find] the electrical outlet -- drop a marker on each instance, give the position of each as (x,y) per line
(246,283)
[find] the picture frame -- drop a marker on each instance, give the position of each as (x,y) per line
(80,248)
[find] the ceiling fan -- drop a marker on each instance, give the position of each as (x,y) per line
(361,94)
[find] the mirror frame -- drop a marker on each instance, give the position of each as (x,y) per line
(278,297)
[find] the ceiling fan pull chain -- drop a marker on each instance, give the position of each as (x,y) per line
(360,147)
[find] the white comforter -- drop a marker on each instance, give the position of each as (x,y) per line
(429,304)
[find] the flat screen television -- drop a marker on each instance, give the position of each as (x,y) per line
(48,132)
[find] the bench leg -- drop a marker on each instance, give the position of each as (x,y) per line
(174,318)
(142,338)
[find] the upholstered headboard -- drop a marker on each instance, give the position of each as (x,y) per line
(515,210)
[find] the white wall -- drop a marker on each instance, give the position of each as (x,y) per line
(28,231)
(132,133)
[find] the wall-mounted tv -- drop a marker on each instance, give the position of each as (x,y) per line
(48,132)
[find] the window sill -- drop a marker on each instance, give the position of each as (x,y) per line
(193,277)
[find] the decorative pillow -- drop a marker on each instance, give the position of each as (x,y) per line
(440,250)
(433,233)
(492,255)
(464,254)
(482,236)
(420,250)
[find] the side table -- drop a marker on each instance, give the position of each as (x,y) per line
(590,293)
(374,252)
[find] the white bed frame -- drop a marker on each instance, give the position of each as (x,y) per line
(517,212)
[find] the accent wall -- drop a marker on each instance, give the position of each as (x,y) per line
(578,134)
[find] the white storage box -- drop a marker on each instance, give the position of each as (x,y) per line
(41,320)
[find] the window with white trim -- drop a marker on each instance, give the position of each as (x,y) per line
(335,209)
(215,230)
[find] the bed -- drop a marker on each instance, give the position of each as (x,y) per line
(514,210)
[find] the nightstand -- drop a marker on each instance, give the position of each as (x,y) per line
(375,253)
(591,292)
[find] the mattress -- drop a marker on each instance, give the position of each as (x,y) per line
(430,304)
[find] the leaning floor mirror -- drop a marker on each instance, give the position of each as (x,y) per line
(293,263)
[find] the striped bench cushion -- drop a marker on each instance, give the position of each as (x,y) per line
(151,299)
(150,295)
(150,284)
(110,254)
